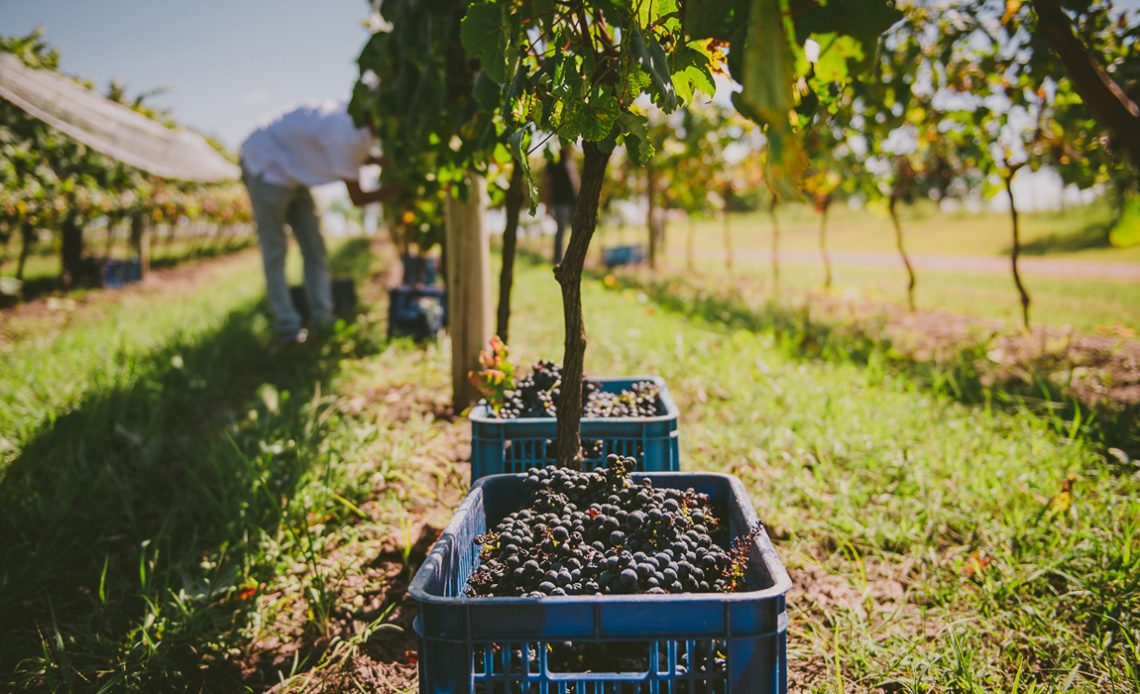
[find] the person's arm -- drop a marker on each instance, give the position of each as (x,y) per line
(361,198)
(379,160)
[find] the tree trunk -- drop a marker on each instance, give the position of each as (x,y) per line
(892,208)
(775,245)
(1106,100)
(651,204)
(689,244)
(27,238)
(514,201)
(823,246)
(468,314)
(140,241)
(569,276)
(71,250)
(6,239)
(727,244)
(1015,252)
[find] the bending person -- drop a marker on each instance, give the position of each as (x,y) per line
(280,161)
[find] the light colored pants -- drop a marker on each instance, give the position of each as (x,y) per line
(274,206)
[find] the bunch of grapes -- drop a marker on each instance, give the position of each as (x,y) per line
(536,395)
(639,401)
(601,533)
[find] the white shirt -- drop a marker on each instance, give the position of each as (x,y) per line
(308,146)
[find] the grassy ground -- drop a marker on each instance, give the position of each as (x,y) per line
(1084,304)
(1078,234)
(180,509)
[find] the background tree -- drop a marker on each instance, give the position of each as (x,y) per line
(578,70)
(1010,92)
(1101,56)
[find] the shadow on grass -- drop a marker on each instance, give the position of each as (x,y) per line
(1091,236)
(955,372)
(129,526)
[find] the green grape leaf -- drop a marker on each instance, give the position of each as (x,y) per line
(864,20)
(592,118)
(483,32)
(486,92)
(640,149)
(763,65)
(653,61)
(690,67)
(652,10)
(634,125)
(835,53)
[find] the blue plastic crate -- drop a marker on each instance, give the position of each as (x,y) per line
(516,445)
(623,255)
(116,273)
(420,270)
(417,312)
(708,643)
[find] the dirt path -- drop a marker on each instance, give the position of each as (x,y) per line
(1050,267)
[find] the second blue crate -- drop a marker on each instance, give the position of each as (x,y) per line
(416,312)
(623,255)
(516,445)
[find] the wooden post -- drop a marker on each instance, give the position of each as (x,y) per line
(468,288)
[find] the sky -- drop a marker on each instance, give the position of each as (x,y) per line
(227,65)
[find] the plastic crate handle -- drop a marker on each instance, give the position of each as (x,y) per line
(641,675)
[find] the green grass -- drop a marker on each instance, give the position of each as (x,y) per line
(174,500)
(1084,304)
(877,490)
(1078,233)
(1081,302)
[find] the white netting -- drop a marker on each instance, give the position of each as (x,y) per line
(110,128)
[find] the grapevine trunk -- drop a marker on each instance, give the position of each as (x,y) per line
(514,201)
(1015,253)
(892,208)
(569,276)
